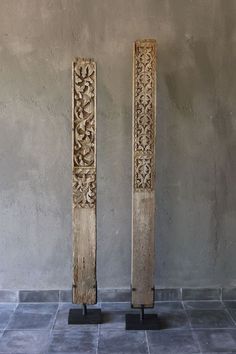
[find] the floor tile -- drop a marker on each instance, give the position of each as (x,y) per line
(167,294)
(24,342)
(209,319)
(33,316)
(229,293)
(8,306)
(203,305)
(69,305)
(9,296)
(30,321)
(6,311)
(38,308)
(201,294)
(233,314)
(34,322)
(168,306)
(116,306)
(73,341)
(109,295)
(172,342)
(122,342)
(65,296)
(173,319)
(230,304)
(217,340)
(61,322)
(113,319)
(39,296)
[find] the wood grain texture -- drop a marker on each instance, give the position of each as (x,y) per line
(84,181)
(143,195)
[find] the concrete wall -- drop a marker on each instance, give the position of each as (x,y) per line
(196,130)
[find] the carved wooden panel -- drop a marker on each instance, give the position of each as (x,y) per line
(84,180)
(143,197)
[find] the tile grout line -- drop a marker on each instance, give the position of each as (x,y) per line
(147,343)
(98,337)
(169,329)
(194,335)
(115,293)
(112,302)
(40,302)
(183,304)
(10,317)
(231,317)
(122,329)
(222,302)
(50,331)
(54,319)
(181,294)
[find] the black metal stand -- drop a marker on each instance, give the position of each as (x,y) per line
(84,316)
(142,321)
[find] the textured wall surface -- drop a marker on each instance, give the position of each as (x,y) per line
(196,134)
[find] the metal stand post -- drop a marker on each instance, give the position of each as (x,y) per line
(84,316)
(142,321)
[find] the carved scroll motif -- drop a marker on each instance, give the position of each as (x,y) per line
(143,194)
(144,114)
(84,181)
(84,124)
(84,188)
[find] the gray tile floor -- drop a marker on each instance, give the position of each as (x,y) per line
(186,327)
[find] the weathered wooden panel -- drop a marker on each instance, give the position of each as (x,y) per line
(143,197)
(84,181)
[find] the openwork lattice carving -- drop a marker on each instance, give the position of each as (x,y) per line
(84,139)
(144,111)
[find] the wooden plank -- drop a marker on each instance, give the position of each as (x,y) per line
(143,194)
(84,181)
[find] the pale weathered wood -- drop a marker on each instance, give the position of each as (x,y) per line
(143,195)
(84,181)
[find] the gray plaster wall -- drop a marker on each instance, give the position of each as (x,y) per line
(196,132)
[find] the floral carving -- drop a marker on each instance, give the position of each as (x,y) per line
(84,138)
(84,120)
(143,167)
(144,113)
(84,188)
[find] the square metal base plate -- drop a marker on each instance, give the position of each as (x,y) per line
(93,316)
(150,322)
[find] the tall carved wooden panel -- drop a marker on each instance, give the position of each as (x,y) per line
(143,196)
(84,181)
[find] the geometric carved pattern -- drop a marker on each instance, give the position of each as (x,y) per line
(84,137)
(144,114)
